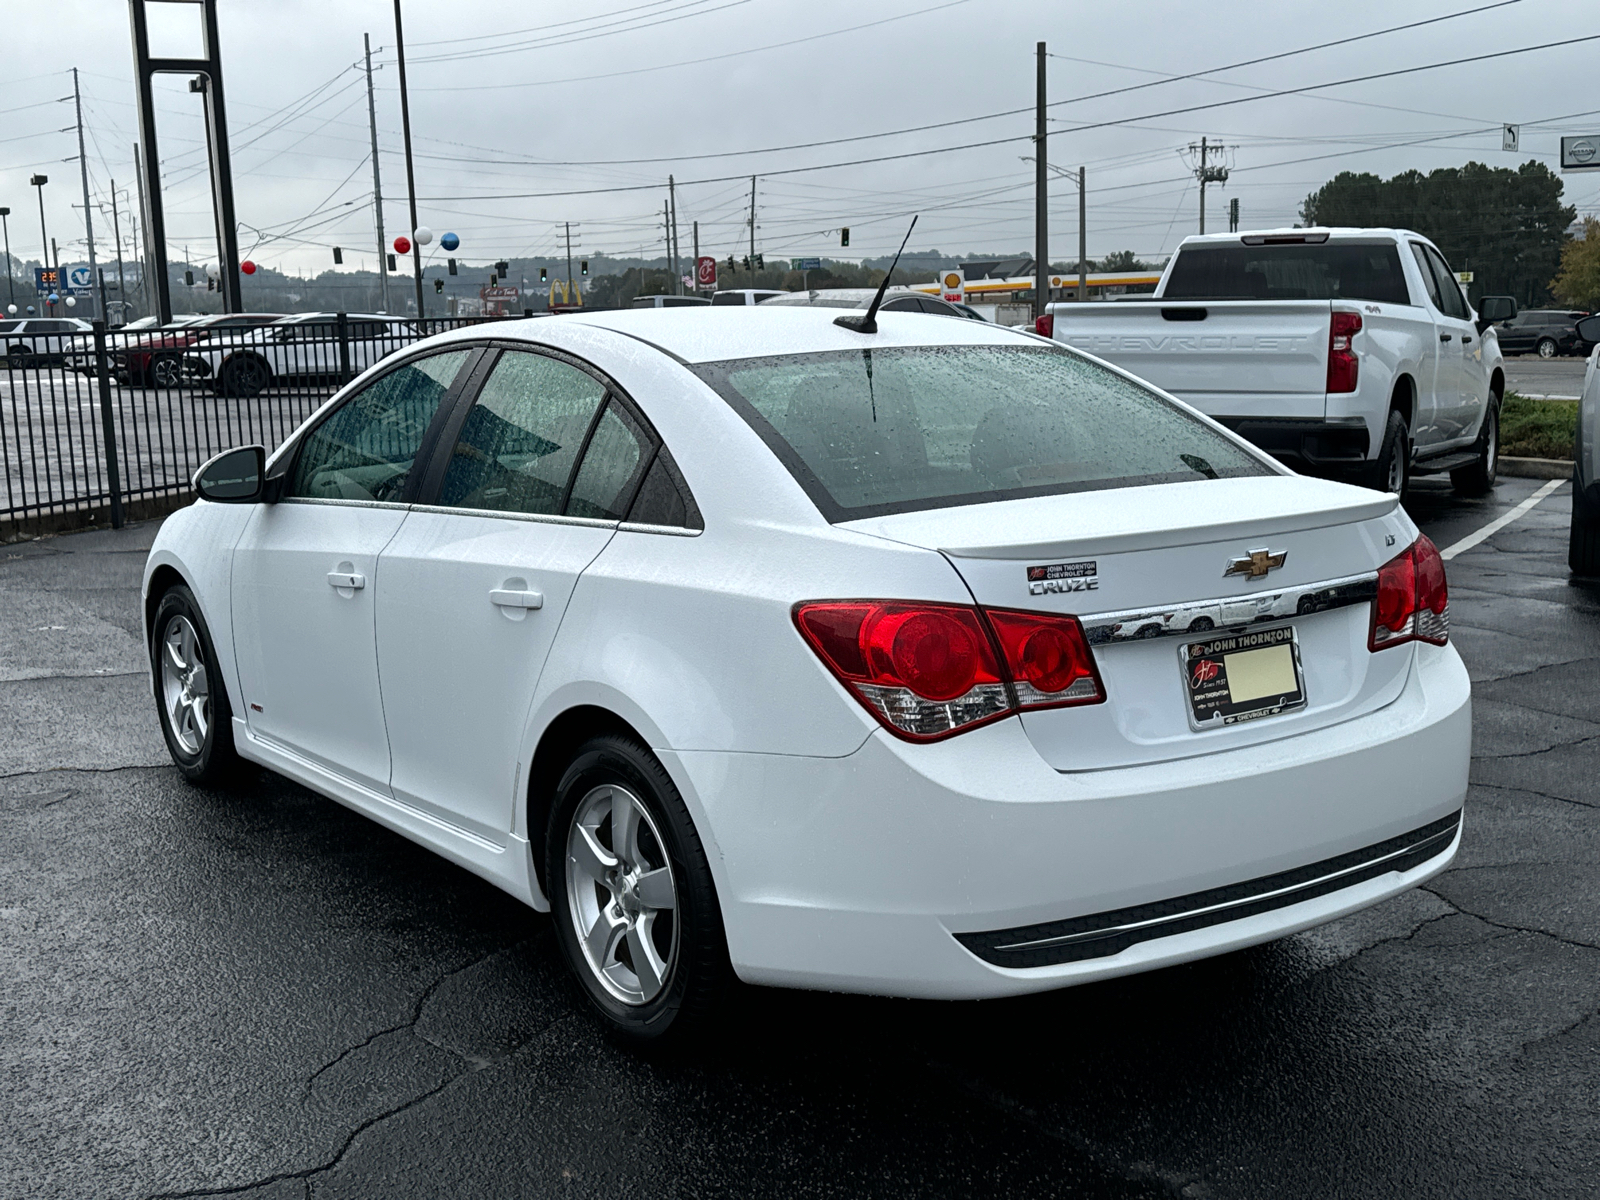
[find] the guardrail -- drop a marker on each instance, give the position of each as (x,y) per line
(95,429)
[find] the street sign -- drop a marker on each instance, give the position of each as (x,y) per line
(498,293)
(1580,153)
(705,271)
(79,281)
(1463,276)
(1510,135)
(805,264)
(953,286)
(46,280)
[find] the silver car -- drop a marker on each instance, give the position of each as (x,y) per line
(42,339)
(894,300)
(1583,550)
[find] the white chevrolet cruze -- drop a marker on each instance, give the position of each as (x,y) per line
(937,660)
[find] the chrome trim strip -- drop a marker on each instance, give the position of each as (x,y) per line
(1228,612)
(670,530)
(343,502)
(1444,837)
(535,518)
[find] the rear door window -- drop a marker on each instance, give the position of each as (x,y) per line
(1452,303)
(1343,270)
(616,456)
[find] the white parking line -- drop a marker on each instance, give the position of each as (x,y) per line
(1499,523)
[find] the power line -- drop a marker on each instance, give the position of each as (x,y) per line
(581,35)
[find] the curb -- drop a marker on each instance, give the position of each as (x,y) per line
(1536,468)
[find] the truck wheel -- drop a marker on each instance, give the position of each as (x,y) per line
(1546,348)
(1583,547)
(1477,478)
(1391,470)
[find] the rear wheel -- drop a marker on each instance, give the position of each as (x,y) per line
(1583,546)
(243,375)
(1477,478)
(1546,348)
(166,371)
(635,907)
(1391,470)
(196,718)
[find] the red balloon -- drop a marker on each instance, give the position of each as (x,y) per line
(402,245)
(248,267)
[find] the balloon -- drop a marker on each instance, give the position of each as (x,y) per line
(54,298)
(72,301)
(248,267)
(423,234)
(211,271)
(402,245)
(30,309)
(13,310)
(449,241)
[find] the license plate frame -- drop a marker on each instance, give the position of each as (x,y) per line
(1209,686)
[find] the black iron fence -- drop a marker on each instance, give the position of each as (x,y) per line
(97,427)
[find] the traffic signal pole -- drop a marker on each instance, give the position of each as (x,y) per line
(1041,209)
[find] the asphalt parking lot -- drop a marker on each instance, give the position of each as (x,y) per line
(1545,378)
(258,993)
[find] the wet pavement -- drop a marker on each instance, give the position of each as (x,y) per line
(1552,378)
(258,993)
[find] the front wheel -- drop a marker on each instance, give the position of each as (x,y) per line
(1477,477)
(631,893)
(1546,348)
(1391,470)
(196,718)
(243,375)
(166,371)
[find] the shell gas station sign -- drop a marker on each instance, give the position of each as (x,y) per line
(953,286)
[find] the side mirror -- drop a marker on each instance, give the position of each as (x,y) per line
(234,476)
(1589,328)
(1494,309)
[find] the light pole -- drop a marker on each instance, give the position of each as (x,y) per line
(405,130)
(39,181)
(11,282)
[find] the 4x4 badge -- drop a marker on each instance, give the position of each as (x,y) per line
(1255,563)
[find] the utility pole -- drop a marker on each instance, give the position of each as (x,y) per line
(1207,174)
(568,225)
(666,230)
(405,129)
(377,183)
(116,232)
(39,181)
(672,208)
(1041,206)
(88,219)
(11,282)
(1233,215)
(752,228)
(697,257)
(1083,236)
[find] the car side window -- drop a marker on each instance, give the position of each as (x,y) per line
(518,445)
(664,497)
(1428,281)
(615,458)
(1454,304)
(366,448)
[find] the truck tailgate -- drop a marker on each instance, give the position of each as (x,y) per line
(1240,358)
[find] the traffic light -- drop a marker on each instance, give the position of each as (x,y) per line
(844,236)
(338,257)
(391,263)
(746,262)
(188,278)
(502,269)
(452,263)
(494,280)
(583,267)
(438,285)
(730,262)
(544,274)
(761,262)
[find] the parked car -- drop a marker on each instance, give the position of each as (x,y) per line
(41,340)
(668,301)
(1347,352)
(749,653)
(1546,332)
(1583,548)
(966,310)
(744,296)
(161,359)
(895,300)
(302,347)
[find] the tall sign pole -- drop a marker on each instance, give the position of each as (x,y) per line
(405,129)
(88,219)
(1083,236)
(377,183)
(1041,208)
(672,209)
(11,280)
(116,233)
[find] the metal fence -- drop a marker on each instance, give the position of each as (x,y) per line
(96,427)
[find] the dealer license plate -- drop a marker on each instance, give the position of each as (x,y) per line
(1245,676)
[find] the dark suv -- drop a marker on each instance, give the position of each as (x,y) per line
(1546,332)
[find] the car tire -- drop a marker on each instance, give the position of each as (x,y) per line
(191,697)
(1583,545)
(166,371)
(243,375)
(18,356)
(1391,470)
(1546,348)
(655,899)
(1478,478)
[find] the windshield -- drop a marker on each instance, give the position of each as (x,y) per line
(900,429)
(1310,271)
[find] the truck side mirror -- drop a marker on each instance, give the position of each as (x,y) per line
(1494,309)
(234,476)
(1589,329)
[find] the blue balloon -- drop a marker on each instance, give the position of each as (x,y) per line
(449,241)
(54,298)
(30,308)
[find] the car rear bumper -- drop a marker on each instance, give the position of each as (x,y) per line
(921,870)
(1317,445)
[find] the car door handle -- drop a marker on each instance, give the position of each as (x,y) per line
(1444,337)
(505,598)
(1466,339)
(346,579)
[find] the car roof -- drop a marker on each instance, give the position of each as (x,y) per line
(754,331)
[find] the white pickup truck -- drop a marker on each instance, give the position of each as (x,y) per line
(1339,351)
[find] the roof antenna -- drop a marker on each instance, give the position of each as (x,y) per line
(869,322)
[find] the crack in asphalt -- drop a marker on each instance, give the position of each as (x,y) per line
(87,770)
(1506,787)
(1535,753)
(1510,928)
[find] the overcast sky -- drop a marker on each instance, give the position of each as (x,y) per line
(512,101)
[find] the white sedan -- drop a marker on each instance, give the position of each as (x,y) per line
(935,661)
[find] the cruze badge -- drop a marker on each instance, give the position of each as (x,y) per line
(1064,577)
(1255,563)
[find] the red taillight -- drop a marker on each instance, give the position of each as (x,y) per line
(1343,366)
(927,671)
(1045,326)
(1413,602)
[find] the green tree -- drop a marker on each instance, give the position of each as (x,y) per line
(1122,260)
(1578,281)
(1505,226)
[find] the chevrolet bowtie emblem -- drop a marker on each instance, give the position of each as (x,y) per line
(1256,563)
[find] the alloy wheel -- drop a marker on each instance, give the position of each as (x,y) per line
(1547,349)
(166,371)
(621,894)
(185,686)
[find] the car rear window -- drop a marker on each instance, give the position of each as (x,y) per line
(1310,271)
(899,429)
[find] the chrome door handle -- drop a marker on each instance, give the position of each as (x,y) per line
(505,598)
(345,579)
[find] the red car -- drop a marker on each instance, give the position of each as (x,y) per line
(157,360)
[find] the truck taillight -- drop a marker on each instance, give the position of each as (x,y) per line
(1413,601)
(1343,365)
(927,671)
(1045,326)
